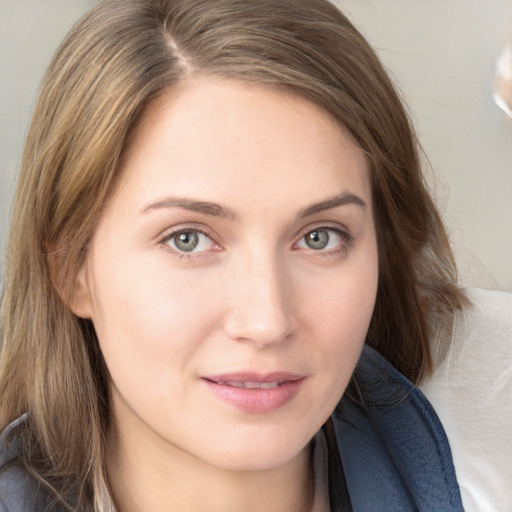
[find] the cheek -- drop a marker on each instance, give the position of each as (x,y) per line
(346,295)
(147,319)
(341,314)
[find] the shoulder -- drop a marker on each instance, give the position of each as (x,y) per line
(471,388)
(19,491)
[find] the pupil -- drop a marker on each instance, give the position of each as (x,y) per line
(186,241)
(317,239)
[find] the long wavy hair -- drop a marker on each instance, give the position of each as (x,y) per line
(119,57)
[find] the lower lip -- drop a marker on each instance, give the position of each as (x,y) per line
(257,400)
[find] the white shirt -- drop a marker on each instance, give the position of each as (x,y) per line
(471,391)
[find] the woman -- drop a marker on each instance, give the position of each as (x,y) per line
(220,203)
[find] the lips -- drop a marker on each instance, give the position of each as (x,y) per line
(255,393)
(251,385)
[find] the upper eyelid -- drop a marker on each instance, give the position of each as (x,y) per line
(170,232)
(334,226)
(167,235)
(342,232)
(343,247)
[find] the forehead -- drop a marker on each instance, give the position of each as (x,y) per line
(246,139)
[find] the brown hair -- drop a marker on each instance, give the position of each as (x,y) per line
(120,56)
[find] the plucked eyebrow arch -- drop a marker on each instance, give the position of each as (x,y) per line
(345,198)
(193,205)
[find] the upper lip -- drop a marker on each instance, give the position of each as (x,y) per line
(256,378)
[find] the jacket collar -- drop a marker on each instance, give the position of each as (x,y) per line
(396,456)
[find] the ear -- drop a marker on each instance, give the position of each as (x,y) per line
(75,291)
(81,299)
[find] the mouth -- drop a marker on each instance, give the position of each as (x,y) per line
(250,384)
(255,393)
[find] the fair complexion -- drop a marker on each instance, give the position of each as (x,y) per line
(238,250)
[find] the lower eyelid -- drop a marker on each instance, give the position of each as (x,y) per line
(174,251)
(344,245)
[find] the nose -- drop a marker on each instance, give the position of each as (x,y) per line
(259,303)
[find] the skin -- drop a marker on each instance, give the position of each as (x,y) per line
(252,296)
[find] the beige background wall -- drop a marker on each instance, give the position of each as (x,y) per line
(441,53)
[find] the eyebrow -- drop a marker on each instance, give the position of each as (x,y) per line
(216,210)
(342,199)
(204,207)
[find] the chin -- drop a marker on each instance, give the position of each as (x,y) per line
(257,452)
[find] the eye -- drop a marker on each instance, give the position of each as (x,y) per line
(318,239)
(189,240)
(326,239)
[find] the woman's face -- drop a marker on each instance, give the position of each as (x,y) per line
(232,277)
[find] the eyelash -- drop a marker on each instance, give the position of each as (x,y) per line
(163,242)
(344,246)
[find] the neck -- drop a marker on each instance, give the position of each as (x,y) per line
(149,474)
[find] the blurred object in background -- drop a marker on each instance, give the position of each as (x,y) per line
(503,89)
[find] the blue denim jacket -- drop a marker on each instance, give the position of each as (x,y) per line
(387,452)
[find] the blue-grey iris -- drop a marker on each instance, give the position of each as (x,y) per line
(186,241)
(317,239)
